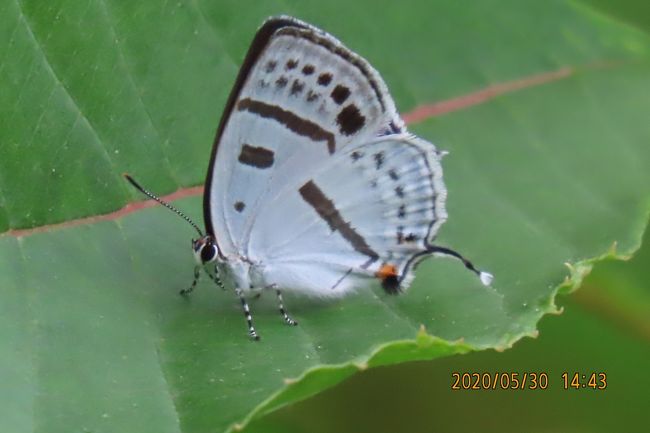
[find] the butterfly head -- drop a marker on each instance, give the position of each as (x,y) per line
(205,249)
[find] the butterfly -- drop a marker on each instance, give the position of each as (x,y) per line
(314,184)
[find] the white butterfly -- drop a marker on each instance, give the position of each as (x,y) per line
(314,185)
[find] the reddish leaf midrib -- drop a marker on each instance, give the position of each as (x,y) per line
(418,114)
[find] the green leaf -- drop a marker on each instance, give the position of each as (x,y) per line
(551,170)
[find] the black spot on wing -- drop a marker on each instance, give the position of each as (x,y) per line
(281,82)
(311,96)
(411,238)
(356,155)
(399,190)
(390,284)
(308,69)
(239,206)
(324,79)
(340,94)
(379,159)
(297,87)
(393,174)
(258,157)
(350,120)
(291,64)
(270,66)
(401,212)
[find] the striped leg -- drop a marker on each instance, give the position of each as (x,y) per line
(286,317)
(197,274)
(247,314)
(215,278)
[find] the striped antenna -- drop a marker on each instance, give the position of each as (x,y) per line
(161,201)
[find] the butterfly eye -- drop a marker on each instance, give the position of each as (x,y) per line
(208,252)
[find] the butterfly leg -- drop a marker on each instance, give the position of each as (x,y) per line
(197,274)
(216,278)
(286,317)
(247,314)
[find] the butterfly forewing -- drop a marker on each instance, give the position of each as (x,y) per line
(302,98)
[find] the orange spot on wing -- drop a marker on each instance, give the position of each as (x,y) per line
(386,271)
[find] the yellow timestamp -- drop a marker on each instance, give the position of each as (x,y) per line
(499,380)
(584,381)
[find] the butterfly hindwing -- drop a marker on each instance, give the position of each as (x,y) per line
(375,206)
